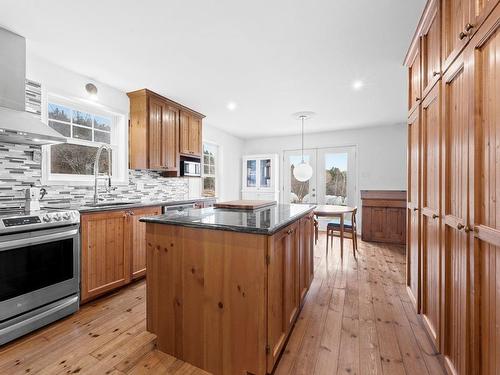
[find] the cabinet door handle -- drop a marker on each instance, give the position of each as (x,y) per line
(469,27)
(460,226)
(289,231)
(415,209)
(417,99)
(434,74)
(462,35)
(434,216)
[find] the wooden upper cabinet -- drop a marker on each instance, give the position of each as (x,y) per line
(190,134)
(414,77)
(431,49)
(160,130)
(479,10)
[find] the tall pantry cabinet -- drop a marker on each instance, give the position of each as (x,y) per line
(453,251)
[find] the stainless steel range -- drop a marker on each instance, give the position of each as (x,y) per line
(39,269)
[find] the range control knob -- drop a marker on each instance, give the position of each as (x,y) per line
(46,218)
(66,216)
(57,217)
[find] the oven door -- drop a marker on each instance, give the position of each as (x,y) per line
(37,268)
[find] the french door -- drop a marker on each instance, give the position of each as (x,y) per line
(333,180)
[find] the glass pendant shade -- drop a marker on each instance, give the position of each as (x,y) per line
(303,172)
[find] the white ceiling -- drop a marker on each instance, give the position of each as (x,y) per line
(271,57)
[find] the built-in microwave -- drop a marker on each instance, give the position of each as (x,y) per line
(190,168)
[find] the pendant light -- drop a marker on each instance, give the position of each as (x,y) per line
(303,172)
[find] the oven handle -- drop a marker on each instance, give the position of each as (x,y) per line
(38,239)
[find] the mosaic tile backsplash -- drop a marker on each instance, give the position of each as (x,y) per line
(20,167)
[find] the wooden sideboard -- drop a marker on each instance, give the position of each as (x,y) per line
(384,216)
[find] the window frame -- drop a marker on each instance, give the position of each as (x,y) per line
(118,142)
(217,166)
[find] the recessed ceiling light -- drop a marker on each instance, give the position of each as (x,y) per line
(231,106)
(357,85)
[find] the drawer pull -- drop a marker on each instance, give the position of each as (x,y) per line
(469,27)
(462,35)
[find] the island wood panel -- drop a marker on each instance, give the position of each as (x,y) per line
(456,301)
(206,297)
(482,56)
(413,207)
(431,49)
(431,211)
(105,252)
(138,238)
(283,289)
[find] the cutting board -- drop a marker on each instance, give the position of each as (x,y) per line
(244,204)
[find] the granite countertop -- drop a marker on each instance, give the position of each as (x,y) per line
(267,220)
(133,204)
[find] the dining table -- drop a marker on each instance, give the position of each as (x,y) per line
(334,211)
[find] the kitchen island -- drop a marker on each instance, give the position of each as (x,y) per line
(224,287)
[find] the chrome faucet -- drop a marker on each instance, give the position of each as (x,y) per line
(97,176)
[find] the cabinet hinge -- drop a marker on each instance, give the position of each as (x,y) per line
(268,349)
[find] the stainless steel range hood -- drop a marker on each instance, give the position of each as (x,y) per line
(17,125)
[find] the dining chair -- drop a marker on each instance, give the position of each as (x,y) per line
(350,229)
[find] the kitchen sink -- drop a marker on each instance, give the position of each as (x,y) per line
(108,204)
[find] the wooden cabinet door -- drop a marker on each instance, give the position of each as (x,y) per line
(138,132)
(105,239)
(482,57)
(479,10)
(431,49)
(431,211)
(155,133)
(138,242)
(305,255)
(184,133)
(169,137)
(414,79)
(283,293)
(413,207)
(195,136)
(456,242)
(455,16)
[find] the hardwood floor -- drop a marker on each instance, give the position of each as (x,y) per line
(357,319)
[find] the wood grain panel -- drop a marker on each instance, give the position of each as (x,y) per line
(431,49)
(431,211)
(483,57)
(455,17)
(169,137)
(414,79)
(138,234)
(155,133)
(413,214)
(138,131)
(456,299)
(105,252)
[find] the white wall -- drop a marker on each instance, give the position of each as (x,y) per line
(380,154)
(60,81)
(230,152)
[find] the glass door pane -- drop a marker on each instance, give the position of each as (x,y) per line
(336,177)
(265,173)
(296,191)
(251,173)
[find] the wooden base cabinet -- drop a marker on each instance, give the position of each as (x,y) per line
(459,171)
(113,248)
